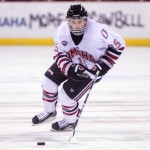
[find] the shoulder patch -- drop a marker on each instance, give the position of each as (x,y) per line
(64,43)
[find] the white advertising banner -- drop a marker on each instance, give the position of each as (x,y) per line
(40,19)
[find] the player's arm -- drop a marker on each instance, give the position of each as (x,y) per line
(115,45)
(66,66)
(62,60)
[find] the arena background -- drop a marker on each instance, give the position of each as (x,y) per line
(34,22)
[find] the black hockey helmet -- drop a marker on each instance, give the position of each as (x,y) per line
(76,11)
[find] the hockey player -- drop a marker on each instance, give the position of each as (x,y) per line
(81,45)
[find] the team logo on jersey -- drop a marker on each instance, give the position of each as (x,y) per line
(64,43)
(85,55)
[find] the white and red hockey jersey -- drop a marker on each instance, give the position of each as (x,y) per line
(99,43)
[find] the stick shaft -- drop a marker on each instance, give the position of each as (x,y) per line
(81,110)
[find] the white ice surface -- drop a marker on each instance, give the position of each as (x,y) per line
(116,117)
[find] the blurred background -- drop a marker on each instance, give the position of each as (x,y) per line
(33,22)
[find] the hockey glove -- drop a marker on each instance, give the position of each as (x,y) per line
(102,68)
(76,72)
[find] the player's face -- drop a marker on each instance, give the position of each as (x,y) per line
(77,25)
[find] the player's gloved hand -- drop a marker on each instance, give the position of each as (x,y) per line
(102,68)
(76,71)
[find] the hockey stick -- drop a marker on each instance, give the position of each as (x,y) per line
(81,110)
